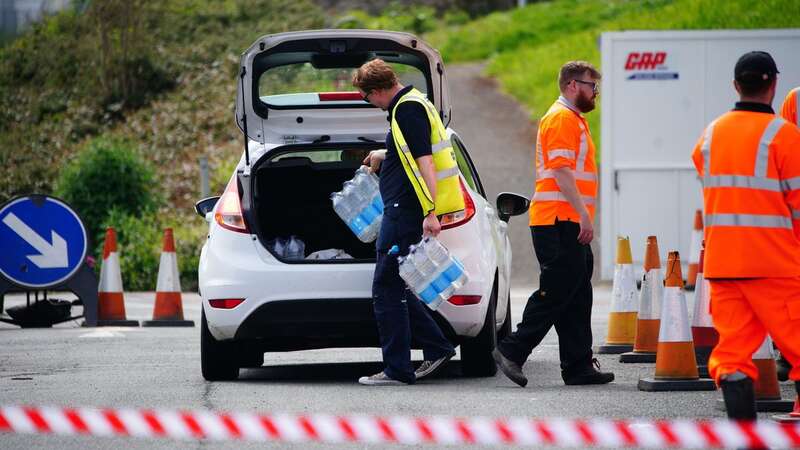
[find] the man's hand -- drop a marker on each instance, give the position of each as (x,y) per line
(374,160)
(587,229)
(431,225)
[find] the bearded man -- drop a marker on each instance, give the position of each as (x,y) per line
(561,217)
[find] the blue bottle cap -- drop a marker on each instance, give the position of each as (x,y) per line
(394,250)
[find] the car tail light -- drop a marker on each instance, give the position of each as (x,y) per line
(225,303)
(463,300)
(229,209)
(339,96)
(458,218)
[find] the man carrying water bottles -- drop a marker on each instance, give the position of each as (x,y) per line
(413,194)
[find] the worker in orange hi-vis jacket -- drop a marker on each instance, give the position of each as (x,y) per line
(789,110)
(749,163)
(790,113)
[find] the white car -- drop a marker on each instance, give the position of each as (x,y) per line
(307,131)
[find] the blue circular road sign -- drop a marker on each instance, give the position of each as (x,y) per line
(43,241)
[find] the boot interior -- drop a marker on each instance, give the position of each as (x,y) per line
(292,197)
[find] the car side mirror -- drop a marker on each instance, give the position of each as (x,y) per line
(205,206)
(511,204)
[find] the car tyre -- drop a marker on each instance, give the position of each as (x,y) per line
(476,353)
(216,358)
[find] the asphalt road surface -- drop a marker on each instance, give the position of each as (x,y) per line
(70,366)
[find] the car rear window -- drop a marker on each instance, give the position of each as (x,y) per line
(302,84)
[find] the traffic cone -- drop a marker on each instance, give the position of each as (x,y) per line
(111,302)
(648,322)
(768,391)
(694,251)
(168,310)
(622,318)
(704,335)
(676,366)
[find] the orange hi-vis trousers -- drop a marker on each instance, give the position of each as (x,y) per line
(744,311)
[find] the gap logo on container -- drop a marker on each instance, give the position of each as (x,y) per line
(648,66)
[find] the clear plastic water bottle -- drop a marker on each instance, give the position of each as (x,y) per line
(358,206)
(278,246)
(341,207)
(295,249)
(440,257)
(418,282)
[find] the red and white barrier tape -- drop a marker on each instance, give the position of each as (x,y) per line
(193,425)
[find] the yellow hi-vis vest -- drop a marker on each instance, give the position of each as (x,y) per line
(448,189)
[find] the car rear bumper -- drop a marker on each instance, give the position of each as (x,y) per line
(286,325)
(235,265)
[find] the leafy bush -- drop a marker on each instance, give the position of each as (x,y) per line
(139,242)
(107,174)
(396,17)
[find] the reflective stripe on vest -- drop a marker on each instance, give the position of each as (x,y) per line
(758,180)
(563,153)
(449,197)
(555,196)
(790,184)
(748,220)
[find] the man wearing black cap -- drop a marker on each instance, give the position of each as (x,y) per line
(749,163)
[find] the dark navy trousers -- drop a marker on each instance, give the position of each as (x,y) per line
(564,299)
(400,315)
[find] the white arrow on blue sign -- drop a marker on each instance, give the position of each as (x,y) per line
(43,240)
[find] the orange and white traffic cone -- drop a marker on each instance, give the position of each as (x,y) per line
(111,301)
(648,320)
(168,311)
(704,335)
(767,389)
(622,318)
(676,367)
(694,251)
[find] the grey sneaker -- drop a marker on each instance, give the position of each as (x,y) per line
(379,379)
(429,367)
(511,369)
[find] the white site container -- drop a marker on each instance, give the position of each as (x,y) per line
(659,90)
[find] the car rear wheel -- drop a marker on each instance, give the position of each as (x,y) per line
(476,353)
(216,358)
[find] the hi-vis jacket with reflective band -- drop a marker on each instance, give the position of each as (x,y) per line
(448,188)
(789,110)
(563,140)
(749,163)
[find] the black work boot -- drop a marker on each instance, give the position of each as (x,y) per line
(740,398)
(587,375)
(511,369)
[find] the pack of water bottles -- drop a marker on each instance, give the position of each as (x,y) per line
(431,272)
(359,205)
